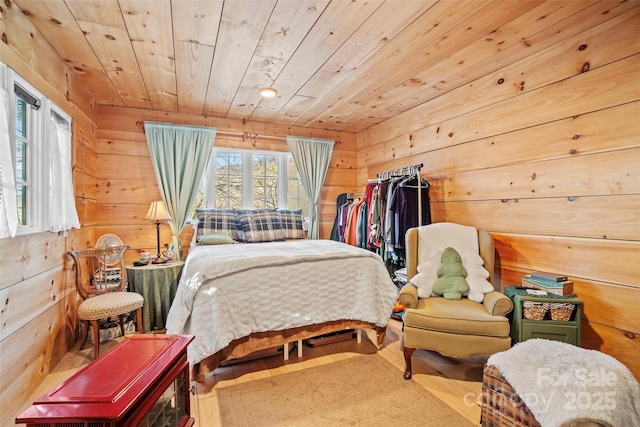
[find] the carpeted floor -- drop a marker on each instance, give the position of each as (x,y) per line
(360,391)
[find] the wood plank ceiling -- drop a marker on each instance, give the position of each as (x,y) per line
(338,65)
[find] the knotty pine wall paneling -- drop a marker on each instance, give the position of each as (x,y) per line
(38,315)
(126,184)
(544,152)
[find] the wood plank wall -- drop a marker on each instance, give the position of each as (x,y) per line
(543,152)
(126,184)
(38,315)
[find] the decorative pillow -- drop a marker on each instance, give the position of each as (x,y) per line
(215,239)
(427,274)
(477,276)
(260,225)
(451,283)
(291,223)
(214,221)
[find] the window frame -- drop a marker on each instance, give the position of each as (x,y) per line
(38,155)
(282,159)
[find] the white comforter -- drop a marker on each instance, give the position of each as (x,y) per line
(227,292)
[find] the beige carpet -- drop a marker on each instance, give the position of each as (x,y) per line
(360,391)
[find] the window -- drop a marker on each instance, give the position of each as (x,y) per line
(29,114)
(228,174)
(265,181)
(244,179)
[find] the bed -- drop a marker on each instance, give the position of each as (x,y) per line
(240,298)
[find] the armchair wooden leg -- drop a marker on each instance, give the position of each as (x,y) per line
(408,351)
(85,334)
(96,338)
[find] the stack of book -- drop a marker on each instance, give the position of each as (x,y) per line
(549,282)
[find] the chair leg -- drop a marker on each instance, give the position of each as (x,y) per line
(85,335)
(139,320)
(121,323)
(408,351)
(96,338)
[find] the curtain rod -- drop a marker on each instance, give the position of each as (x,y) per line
(244,135)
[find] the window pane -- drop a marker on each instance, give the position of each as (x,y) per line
(21,196)
(21,118)
(235,203)
(265,181)
(21,161)
(228,185)
(222,203)
(258,165)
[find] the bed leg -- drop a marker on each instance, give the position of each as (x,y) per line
(286,351)
(299,348)
(358,335)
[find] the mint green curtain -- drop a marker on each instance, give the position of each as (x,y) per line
(312,156)
(179,155)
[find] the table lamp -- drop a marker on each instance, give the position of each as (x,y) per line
(157,212)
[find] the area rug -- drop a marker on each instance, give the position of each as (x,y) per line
(360,391)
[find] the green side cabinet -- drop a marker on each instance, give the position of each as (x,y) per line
(523,329)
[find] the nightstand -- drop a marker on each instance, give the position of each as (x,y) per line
(523,329)
(157,283)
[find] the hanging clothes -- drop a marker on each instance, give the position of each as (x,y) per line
(335,232)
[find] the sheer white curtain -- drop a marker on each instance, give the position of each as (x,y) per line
(62,204)
(8,204)
(312,156)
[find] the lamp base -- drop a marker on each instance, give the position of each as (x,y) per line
(158,238)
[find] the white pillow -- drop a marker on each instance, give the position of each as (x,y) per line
(477,276)
(427,274)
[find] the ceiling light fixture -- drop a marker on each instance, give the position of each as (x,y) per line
(268,92)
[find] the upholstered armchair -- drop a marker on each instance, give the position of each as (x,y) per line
(454,328)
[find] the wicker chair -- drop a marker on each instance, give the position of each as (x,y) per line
(104,296)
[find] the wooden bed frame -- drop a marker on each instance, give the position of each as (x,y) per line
(264,340)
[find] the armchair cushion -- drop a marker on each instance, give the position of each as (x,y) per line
(463,316)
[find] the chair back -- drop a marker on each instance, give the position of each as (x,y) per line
(421,241)
(99,270)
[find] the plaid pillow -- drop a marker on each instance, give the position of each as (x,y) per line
(214,221)
(291,222)
(260,225)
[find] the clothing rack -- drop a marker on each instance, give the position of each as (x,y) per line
(408,170)
(350,196)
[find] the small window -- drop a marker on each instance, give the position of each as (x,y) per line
(27,152)
(30,115)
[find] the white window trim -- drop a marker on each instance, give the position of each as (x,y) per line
(38,196)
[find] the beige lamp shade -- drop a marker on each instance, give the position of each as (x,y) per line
(157,212)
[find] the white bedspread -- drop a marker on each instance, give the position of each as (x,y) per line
(227,292)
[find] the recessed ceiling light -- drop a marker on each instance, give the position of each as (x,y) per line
(268,92)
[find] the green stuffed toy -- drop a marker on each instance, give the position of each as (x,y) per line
(451,282)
